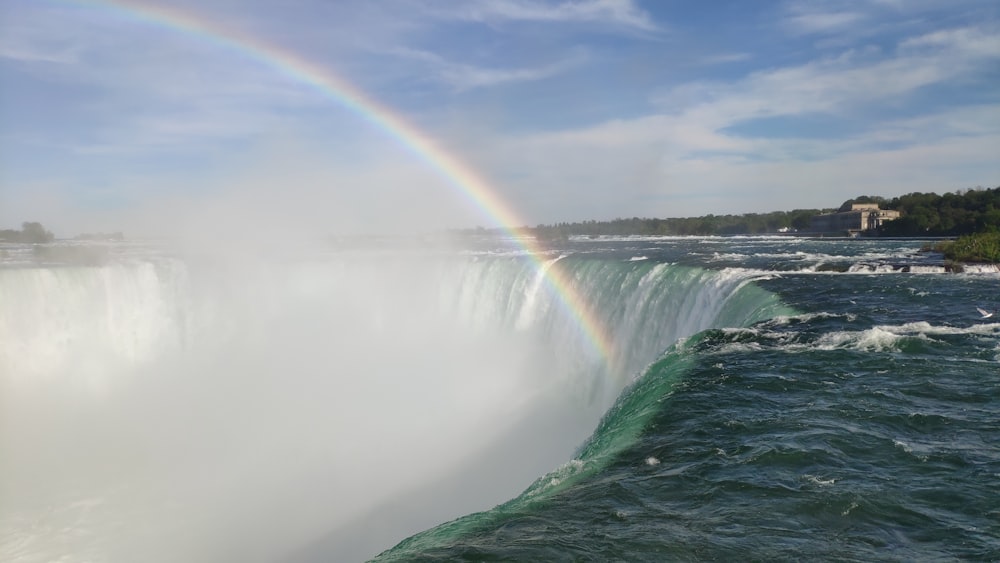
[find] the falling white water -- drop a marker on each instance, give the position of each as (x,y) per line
(221,410)
(213,408)
(529,310)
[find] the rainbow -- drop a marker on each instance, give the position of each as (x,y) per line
(336,88)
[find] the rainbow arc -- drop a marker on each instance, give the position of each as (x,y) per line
(339,90)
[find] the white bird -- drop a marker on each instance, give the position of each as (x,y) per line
(986,314)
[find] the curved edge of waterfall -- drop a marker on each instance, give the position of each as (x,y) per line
(622,425)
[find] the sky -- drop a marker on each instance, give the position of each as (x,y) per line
(566,110)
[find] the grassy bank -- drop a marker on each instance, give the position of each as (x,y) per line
(981,247)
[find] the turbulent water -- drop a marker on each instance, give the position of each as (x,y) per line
(763,398)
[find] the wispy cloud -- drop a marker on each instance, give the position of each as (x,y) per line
(613,12)
(33,40)
(665,167)
(461,77)
(140,87)
(33,53)
(970,41)
(836,84)
(725,58)
(821,22)
(654,158)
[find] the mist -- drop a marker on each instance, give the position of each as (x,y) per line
(288,190)
(258,406)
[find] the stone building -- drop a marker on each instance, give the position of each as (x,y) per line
(862,217)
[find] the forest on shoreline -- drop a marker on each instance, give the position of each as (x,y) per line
(31,232)
(921,215)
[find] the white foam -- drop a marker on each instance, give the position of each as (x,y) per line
(887,337)
(807,317)
(819,481)
(925,328)
(915,269)
(981,268)
(848,510)
(873,339)
(871,269)
(878,338)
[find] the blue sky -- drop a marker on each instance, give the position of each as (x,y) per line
(572,110)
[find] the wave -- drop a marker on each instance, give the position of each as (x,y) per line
(913,336)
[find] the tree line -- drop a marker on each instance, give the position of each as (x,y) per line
(749,224)
(31,232)
(952,214)
(34,232)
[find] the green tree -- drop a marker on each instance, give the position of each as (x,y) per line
(31,232)
(35,232)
